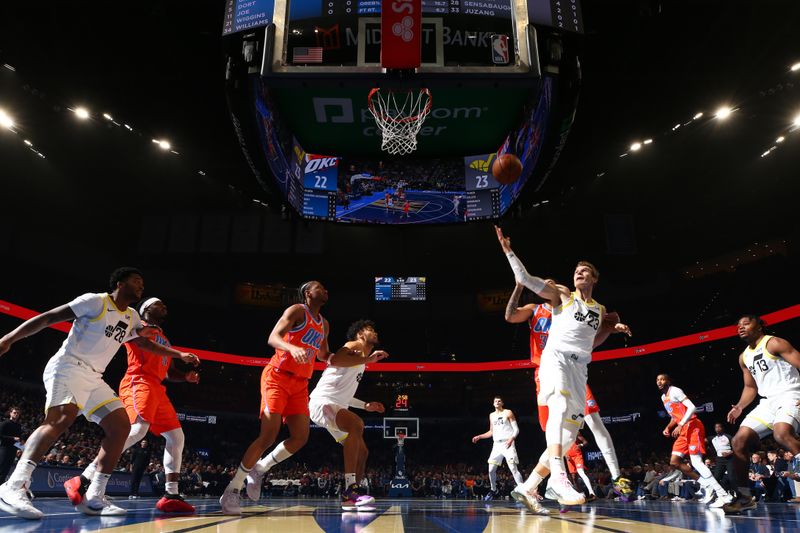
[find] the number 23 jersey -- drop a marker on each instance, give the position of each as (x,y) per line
(772,374)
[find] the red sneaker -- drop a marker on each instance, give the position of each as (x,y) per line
(174,503)
(76,488)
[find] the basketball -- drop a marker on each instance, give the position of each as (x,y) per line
(506,169)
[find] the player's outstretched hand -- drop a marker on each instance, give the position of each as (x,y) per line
(300,355)
(735,413)
(619,327)
(505,242)
(376,356)
(475,439)
(190,358)
(375,407)
(192,376)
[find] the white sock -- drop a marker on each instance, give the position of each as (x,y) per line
(586,481)
(533,481)
(556,466)
(238,479)
(171,487)
(90,470)
(22,474)
(493,477)
(349,479)
(97,488)
(278,454)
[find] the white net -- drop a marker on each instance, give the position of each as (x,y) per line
(400,115)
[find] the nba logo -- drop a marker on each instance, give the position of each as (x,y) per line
(500,49)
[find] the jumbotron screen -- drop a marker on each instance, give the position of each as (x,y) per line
(399,289)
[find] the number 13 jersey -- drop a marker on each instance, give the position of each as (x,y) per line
(772,374)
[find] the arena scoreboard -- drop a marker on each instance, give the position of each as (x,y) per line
(393,289)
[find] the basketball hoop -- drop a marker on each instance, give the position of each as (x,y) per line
(401,437)
(400,115)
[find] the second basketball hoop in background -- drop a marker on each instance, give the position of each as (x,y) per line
(507,168)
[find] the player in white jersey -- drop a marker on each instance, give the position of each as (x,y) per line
(770,370)
(503,430)
(328,406)
(563,369)
(73,380)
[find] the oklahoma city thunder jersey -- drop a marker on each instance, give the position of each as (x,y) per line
(99,330)
(145,364)
(540,329)
(309,335)
(573,328)
(772,374)
(501,426)
(673,403)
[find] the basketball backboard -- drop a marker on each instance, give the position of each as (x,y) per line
(392,426)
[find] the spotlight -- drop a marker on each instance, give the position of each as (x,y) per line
(698,115)
(795,67)
(635,147)
(723,112)
(164,145)
(780,139)
(796,122)
(648,141)
(6,121)
(81,112)
(107,116)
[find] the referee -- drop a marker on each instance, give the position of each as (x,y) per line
(724,450)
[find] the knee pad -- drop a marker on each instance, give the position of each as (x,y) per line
(173,450)
(138,431)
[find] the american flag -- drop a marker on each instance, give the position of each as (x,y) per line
(307,54)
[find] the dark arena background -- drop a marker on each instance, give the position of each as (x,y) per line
(227,150)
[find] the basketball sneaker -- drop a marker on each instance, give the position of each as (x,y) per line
(742,503)
(489,496)
(255,480)
(174,503)
(560,489)
(708,497)
(528,500)
(230,503)
(100,507)
(722,500)
(15,501)
(352,498)
(622,488)
(76,489)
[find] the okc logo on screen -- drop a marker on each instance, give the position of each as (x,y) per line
(316,162)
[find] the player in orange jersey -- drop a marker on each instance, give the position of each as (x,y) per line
(145,400)
(575,465)
(690,439)
(299,337)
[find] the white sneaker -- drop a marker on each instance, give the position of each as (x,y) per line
(709,496)
(528,500)
(560,489)
(677,499)
(16,502)
(255,479)
(723,498)
(230,503)
(100,507)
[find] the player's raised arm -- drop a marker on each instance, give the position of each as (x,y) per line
(36,324)
(293,315)
(549,292)
(749,393)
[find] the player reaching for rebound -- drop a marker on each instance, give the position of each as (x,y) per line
(770,370)
(503,430)
(563,370)
(329,404)
(299,337)
(539,317)
(73,380)
(690,438)
(575,465)
(145,399)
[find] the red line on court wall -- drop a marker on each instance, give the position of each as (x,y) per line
(775,317)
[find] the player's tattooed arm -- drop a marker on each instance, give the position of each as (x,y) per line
(515,314)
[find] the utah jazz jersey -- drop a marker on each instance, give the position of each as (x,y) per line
(540,329)
(309,334)
(673,403)
(99,330)
(338,384)
(574,326)
(145,364)
(501,426)
(772,374)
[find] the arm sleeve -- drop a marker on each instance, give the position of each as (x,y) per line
(87,305)
(690,409)
(521,275)
(358,404)
(515,427)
